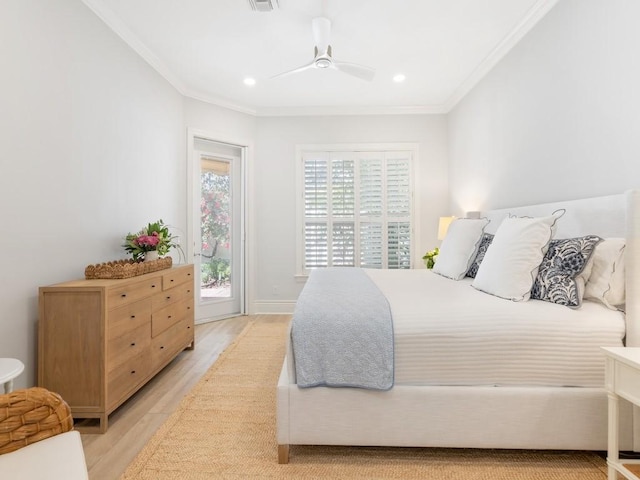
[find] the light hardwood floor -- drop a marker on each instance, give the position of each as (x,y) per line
(133,424)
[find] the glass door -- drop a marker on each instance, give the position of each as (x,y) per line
(218,229)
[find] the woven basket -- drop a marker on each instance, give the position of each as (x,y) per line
(30,415)
(126,268)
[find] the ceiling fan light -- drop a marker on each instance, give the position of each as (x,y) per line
(323,62)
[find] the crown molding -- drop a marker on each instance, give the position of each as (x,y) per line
(535,13)
(219,102)
(319,110)
(349,110)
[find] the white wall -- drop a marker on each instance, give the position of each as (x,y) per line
(91,147)
(558,118)
(219,122)
(274,173)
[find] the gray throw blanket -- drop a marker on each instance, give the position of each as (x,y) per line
(342,332)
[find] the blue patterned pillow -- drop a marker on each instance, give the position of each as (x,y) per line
(487,238)
(557,276)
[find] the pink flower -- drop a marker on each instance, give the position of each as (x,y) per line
(148,240)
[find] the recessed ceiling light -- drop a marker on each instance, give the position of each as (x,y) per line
(250,81)
(399,78)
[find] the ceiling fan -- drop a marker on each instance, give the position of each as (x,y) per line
(323,58)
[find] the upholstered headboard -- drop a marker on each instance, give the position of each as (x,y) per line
(603,216)
(608,216)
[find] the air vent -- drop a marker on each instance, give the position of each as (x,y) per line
(263,5)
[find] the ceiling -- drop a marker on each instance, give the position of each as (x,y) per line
(206,48)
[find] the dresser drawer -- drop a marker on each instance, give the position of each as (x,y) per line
(128,317)
(121,349)
(170,315)
(126,378)
(132,292)
(179,292)
(177,276)
(166,345)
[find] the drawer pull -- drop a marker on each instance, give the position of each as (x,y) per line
(133,316)
(188,291)
(153,286)
(162,347)
(123,295)
(133,344)
(132,372)
(168,297)
(171,280)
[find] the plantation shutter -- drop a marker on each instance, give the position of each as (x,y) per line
(372,206)
(398,212)
(357,209)
(316,205)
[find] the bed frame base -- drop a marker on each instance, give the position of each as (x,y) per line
(456,417)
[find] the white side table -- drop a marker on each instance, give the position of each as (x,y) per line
(622,380)
(10,368)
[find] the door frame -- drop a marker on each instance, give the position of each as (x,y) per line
(193,196)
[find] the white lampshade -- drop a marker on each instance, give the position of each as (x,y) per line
(443,226)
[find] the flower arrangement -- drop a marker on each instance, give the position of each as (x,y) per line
(430,257)
(155,237)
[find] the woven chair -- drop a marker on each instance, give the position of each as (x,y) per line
(37,439)
(31,415)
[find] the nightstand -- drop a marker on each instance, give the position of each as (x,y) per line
(10,368)
(622,380)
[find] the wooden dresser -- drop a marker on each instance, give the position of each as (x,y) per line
(99,341)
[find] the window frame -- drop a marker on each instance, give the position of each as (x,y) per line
(356,150)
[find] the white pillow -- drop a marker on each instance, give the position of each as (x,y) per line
(583,277)
(511,263)
(606,282)
(459,247)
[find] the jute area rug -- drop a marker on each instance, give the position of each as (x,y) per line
(225,428)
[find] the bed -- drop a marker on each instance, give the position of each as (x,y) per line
(470,392)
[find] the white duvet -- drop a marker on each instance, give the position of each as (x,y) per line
(448,333)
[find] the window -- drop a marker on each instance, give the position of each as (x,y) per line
(356,209)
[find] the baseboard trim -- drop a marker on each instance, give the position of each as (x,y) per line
(268,306)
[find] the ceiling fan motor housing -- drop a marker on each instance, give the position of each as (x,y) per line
(323,60)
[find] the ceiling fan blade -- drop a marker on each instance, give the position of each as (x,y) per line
(360,71)
(295,70)
(321,33)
